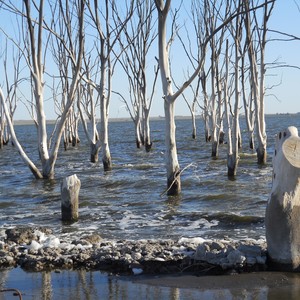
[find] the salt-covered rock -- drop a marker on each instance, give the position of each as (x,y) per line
(201,251)
(51,242)
(250,250)
(2,245)
(40,235)
(217,245)
(159,259)
(194,240)
(136,256)
(34,246)
(283,208)
(66,246)
(236,257)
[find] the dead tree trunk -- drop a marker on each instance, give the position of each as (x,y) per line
(172,164)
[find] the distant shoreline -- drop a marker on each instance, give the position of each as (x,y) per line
(128,119)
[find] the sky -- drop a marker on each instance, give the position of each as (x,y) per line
(285,82)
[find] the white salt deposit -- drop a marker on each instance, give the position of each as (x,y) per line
(52,242)
(66,246)
(41,235)
(34,246)
(195,240)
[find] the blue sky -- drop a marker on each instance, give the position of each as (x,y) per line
(285,17)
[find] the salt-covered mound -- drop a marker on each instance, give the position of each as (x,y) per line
(37,249)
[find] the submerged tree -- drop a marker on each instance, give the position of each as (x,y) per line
(12,81)
(169,97)
(140,36)
(64,43)
(87,105)
(232,117)
(257,72)
(199,17)
(36,64)
(106,38)
(172,164)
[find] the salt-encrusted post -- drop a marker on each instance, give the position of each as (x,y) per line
(283,208)
(70,187)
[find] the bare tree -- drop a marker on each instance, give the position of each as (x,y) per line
(234,129)
(12,81)
(66,16)
(257,71)
(36,64)
(198,17)
(216,45)
(247,99)
(87,105)
(140,36)
(172,164)
(108,38)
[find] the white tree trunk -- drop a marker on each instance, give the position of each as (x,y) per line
(194,128)
(214,136)
(257,89)
(234,159)
(172,165)
(92,137)
(106,158)
(147,137)
(138,135)
(173,169)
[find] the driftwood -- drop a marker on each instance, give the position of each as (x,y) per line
(283,208)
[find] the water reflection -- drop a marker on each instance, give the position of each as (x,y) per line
(96,285)
(46,286)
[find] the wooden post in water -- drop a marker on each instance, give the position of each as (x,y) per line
(283,209)
(70,187)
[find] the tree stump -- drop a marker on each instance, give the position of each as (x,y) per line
(283,209)
(70,187)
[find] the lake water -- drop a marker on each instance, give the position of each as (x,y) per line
(126,203)
(87,285)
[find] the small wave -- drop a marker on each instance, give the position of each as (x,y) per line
(238,219)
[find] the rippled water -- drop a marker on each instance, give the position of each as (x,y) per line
(127,202)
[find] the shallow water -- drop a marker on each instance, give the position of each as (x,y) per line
(126,203)
(90,285)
